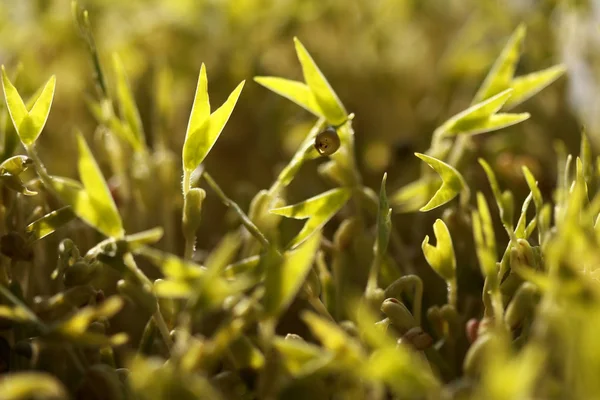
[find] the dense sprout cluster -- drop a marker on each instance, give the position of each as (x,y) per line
(110,290)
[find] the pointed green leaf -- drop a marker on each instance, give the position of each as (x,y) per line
(496,122)
(521,231)
(97,189)
(298,92)
(85,207)
(441,257)
(171,266)
(384,221)
(173,289)
(283,280)
(127,106)
(29,385)
(532,183)
(199,142)
(504,200)
(49,223)
(16,108)
(144,238)
(452,182)
(319,210)
(485,240)
(476,119)
(201,106)
(526,86)
(500,76)
(326,98)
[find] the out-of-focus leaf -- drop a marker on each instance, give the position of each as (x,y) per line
(441,257)
(49,223)
(452,182)
(485,240)
(500,76)
(298,92)
(127,106)
(203,134)
(526,86)
(15,314)
(283,280)
(245,354)
(225,252)
(481,118)
(173,289)
(346,349)
(301,358)
(535,190)
(79,322)
(27,385)
(15,183)
(318,210)
(28,124)
(170,265)
(325,97)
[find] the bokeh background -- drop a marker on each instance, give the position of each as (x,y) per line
(402,66)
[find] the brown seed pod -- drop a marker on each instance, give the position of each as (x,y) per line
(327,142)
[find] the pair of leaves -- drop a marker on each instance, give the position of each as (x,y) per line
(28,122)
(318,210)
(204,128)
(501,76)
(315,94)
(91,201)
(441,257)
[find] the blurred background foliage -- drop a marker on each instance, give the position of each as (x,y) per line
(402,66)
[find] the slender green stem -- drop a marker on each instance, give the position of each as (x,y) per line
(186,184)
(188,251)
(252,228)
(452,293)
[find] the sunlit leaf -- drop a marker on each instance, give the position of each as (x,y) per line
(49,223)
(502,72)
(298,92)
(201,106)
(441,257)
(97,189)
(526,86)
(173,289)
(478,118)
(170,265)
(199,142)
(283,280)
(127,106)
(144,238)
(325,97)
(28,124)
(318,210)
(452,182)
(85,207)
(28,385)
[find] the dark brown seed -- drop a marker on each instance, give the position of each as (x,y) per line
(327,142)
